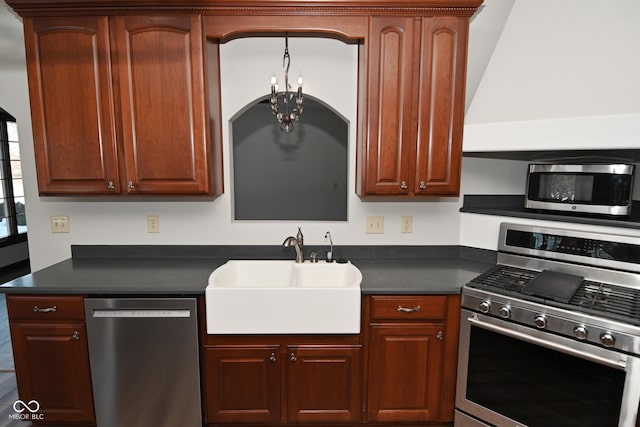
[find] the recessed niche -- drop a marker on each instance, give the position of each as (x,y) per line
(301,175)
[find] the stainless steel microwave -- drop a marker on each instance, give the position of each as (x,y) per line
(590,188)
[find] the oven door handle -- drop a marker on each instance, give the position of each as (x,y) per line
(618,364)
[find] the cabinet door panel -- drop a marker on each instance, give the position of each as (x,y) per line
(323,384)
(160,64)
(441,105)
(68,63)
(52,367)
(405,372)
(390,130)
(242,384)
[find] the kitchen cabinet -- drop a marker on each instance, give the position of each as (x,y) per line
(410,143)
(51,356)
(412,357)
(119,105)
(282,379)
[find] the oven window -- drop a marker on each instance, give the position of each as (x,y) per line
(540,387)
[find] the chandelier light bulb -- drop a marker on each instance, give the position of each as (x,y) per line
(274,80)
(300,79)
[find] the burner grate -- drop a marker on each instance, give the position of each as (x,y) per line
(603,297)
(505,277)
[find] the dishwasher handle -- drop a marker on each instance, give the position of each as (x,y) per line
(145,313)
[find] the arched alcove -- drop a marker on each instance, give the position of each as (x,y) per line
(300,175)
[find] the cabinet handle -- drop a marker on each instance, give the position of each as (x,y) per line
(76,335)
(440,335)
(272,357)
(37,309)
(403,185)
(130,185)
(409,310)
(423,185)
(293,357)
(111,185)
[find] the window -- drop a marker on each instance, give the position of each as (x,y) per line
(13,224)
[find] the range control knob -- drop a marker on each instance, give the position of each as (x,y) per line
(580,332)
(540,321)
(505,311)
(485,306)
(607,339)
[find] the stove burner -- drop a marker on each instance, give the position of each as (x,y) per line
(606,300)
(503,277)
(610,299)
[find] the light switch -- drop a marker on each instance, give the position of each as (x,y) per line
(375,225)
(406,224)
(153,223)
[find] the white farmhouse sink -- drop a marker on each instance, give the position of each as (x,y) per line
(283,297)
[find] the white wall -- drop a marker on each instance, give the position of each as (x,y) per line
(563,75)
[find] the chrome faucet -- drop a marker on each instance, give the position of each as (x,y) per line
(330,253)
(298,243)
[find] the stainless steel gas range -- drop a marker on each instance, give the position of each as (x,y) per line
(550,337)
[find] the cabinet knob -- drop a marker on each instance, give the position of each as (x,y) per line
(403,185)
(272,357)
(440,335)
(423,185)
(293,357)
(130,185)
(111,185)
(76,335)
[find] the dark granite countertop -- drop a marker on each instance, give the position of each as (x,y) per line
(163,271)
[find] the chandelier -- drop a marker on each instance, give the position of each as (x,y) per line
(285,113)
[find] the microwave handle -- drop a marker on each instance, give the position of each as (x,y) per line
(617,364)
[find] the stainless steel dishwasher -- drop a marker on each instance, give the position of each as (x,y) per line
(144,361)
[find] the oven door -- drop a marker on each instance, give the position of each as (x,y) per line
(511,375)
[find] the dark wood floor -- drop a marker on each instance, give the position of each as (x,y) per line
(8,389)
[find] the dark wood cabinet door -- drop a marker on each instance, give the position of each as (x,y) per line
(323,384)
(72,107)
(242,384)
(52,367)
(405,372)
(388,134)
(441,105)
(163,101)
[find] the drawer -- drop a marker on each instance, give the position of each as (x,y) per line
(38,307)
(408,307)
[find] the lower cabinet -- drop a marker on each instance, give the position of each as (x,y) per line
(282,380)
(412,348)
(51,358)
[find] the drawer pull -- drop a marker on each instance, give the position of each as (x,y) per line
(37,309)
(272,357)
(76,335)
(409,310)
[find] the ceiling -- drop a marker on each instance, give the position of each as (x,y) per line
(485,30)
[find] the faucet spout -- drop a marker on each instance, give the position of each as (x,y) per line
(292,241)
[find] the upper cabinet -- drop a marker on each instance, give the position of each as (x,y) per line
(410,143)
(164,107)
(119,105)
(126,100)
(72,107)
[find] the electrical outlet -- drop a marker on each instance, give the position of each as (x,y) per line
(375,225)
(153,223)
(406,224)
(60,224)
